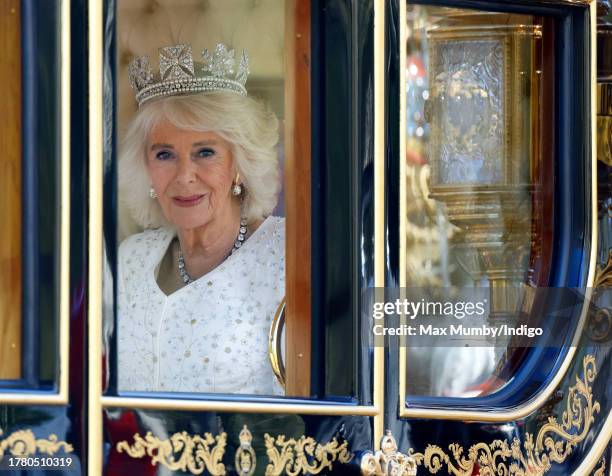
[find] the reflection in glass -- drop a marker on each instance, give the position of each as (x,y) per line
(467,89)
(472,145)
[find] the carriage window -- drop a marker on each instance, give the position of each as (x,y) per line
(201,210)
(475,204)
(30,194)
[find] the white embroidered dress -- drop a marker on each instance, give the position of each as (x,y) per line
(209,336)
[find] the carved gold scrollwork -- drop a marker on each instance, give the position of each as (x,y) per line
(553,443)
(303,456)
(599,325)
(601,469)
(388,461)
(195,454)
(246,459)
(604,139)
(25,443)
(181,452)
(603,276)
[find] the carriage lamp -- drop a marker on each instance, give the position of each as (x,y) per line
(482,111)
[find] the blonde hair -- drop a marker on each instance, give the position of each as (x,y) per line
(249,126)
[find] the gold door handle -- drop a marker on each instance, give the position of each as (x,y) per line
(275,344)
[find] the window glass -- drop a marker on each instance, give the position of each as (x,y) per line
(200,227)
(474,151)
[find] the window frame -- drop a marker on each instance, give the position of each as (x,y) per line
(99,262)
(24,391)
(571,256)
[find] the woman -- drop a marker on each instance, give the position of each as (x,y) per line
(198,288)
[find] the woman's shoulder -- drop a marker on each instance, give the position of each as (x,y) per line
(276,226)
(265,255)
(268,240)
(272,230)
(145,241)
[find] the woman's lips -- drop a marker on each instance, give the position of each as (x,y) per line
(190,201)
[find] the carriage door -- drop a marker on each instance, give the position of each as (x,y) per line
(495,311)
(312,63)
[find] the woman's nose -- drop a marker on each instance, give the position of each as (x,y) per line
(185,172)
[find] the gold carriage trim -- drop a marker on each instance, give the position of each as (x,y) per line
(24,443)
(195,454)
(303,456)
(245,459)
(181,452)
(388,460)
(553,443)
(601,470)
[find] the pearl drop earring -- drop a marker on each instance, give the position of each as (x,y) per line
(237,188)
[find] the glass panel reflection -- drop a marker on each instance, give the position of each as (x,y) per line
(467,89)
(472,127)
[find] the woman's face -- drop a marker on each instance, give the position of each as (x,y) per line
(192,174)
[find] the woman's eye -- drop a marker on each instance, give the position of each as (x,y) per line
(206,152)
(163,155)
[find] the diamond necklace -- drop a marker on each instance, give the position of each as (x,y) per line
(237,244)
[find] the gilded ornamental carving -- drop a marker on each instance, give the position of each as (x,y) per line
(303,456)
(388,460)
(24,443)
(553,443)
(181,451)
(245,460)
(534,456)
(196,454)
(601,468)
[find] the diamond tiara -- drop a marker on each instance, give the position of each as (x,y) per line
(179,74)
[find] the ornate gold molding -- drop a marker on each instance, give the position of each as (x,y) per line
(245,459)
(604,140)
(196,453)
(553,443)
(25,443)
(388,461)
(600,471)
(180,452)
(303,456)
